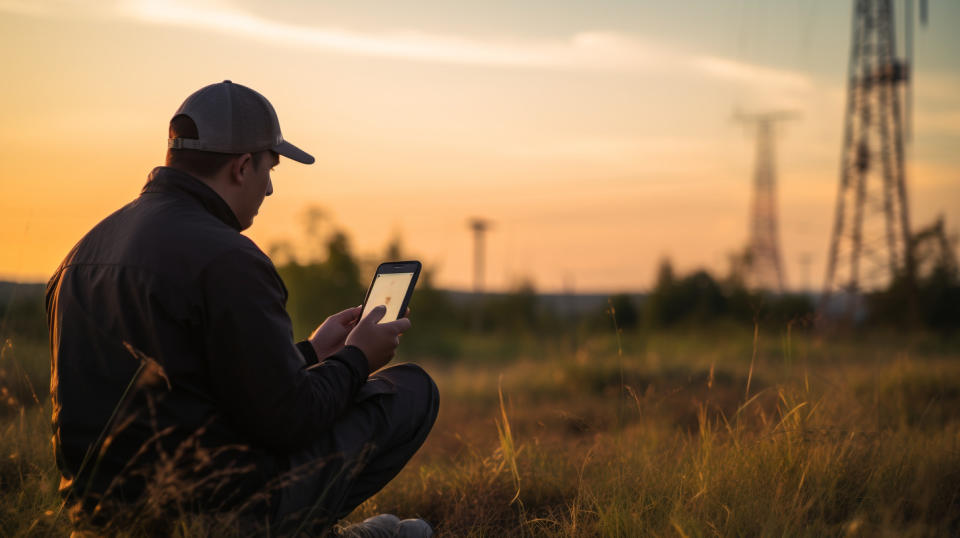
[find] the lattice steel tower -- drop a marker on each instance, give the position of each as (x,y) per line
(764,263)
(870,243)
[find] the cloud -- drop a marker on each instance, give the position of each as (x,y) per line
(410,45)
(751,74)
(937,123)
(936,110)
(24,7)
(588,50)
(583,51)
(56,8)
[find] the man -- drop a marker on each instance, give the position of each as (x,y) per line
(175,380)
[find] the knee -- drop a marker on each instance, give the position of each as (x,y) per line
(419,386)
(426,385)
(430,385)
(433,404)
(434,396)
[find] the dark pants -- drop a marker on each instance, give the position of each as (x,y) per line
(390,418)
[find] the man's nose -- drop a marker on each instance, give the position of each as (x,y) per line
(269,187)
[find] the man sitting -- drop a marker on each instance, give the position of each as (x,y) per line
(176,383)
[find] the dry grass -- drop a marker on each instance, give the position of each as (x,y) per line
(866,446)
(654,436)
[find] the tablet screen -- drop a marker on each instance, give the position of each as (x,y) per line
(388,289)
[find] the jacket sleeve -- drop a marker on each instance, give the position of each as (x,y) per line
(257,372)
(308,353)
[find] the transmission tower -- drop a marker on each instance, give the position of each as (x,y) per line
(764,263)
(479,227)
(805,259)
(870,243)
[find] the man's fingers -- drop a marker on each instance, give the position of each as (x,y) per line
(376,314)
(400,325)
(348,315)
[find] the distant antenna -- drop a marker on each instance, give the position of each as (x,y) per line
(479,227)
(764,263)
(805,259)
(870,244)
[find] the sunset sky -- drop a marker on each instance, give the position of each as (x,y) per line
(597,136)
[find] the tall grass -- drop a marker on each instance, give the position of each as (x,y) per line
(864,447)
(633,435)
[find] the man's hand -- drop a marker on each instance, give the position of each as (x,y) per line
(378,341)
(331,335)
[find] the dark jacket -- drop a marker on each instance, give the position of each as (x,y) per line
(170,343)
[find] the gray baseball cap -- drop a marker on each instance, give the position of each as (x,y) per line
(232,118)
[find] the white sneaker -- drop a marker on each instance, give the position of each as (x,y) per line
(388,526)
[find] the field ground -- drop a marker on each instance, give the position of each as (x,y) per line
(705,433)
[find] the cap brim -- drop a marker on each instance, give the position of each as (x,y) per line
(293,152)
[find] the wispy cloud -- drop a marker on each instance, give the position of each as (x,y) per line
(938,122)
(589,50)
(751,74)
(583,51)
(58,8)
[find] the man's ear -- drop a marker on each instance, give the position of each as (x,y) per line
(239,168)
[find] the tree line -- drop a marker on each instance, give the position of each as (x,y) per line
(332,277)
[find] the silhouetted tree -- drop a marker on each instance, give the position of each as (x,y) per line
(626,312)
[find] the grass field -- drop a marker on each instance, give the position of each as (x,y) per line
(718,432)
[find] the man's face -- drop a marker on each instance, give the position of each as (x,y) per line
(256,187)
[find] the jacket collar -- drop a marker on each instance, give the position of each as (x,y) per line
(170,180)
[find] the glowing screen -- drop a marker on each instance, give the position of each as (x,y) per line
(388,289)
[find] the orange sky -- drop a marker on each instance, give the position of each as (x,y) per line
(595,151)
